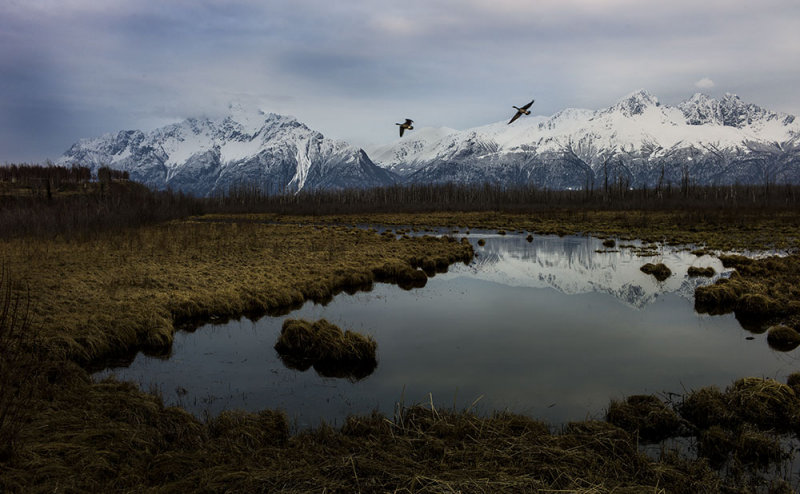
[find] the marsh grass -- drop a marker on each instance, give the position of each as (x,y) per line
(708,272)
(709,229)
(647,416)
(761,292)
(763,403)
(660,270)
(332,352)
(783,338)
(102,297)
(20,372)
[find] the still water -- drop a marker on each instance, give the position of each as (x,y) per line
(549,328)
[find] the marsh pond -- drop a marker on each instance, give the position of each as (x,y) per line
(551,327)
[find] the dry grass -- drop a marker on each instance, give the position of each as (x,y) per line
(101,297)
(764,403)
(111,294)
(110,437)
(762,292)
(783,338)
(660,270)
(708,272)
(332,352)
(646,416)
(713,230)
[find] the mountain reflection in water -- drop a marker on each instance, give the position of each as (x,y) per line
(550,328)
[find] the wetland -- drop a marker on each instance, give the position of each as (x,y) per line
(550,328)
(534,355)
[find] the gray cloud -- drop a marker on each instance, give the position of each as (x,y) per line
(77,68)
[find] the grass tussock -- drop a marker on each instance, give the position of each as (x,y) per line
(609,243)
(660,270)
(761,292)
(332,352)
(646,416)
(746,445)
(783,338)
(707,272)
(763,403)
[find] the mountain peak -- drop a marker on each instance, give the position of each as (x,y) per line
(636,102)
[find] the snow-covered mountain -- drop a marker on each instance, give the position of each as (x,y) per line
(638,141)
(205,156)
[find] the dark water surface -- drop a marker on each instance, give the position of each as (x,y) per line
(552,329)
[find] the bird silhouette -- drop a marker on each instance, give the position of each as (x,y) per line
(405,125)
(521,111)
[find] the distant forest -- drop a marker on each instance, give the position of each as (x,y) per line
(54,200)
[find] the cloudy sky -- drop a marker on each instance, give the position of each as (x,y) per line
(351,68)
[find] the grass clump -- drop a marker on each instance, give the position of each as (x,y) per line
(705,407)
(708,272)
(747,446)
(646,416)
(660,270)
(481,242)
(793,381)
(763,403)
(609,242)
(783,338)
(761,292)
(333,353)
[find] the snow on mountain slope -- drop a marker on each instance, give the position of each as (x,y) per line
(638,141)
(202,156)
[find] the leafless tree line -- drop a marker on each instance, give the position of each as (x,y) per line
(116,204)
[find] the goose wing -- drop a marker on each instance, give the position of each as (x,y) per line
(528,105)
(516,116)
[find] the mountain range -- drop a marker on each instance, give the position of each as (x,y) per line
(636,142)
(204,157)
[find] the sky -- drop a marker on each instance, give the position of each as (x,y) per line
(352,68)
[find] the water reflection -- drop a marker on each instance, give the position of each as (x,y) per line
(574,265)
(550,328)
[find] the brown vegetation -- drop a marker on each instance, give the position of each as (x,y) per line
(647,416)
(660,270)
(333,353)
(762,292)
(708,272)
(783,338)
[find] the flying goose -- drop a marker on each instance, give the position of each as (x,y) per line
(521,111)
(405,125)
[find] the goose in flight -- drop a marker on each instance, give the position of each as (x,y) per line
(405,125)
(521,111)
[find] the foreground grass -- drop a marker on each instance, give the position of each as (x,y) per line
(109,295)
